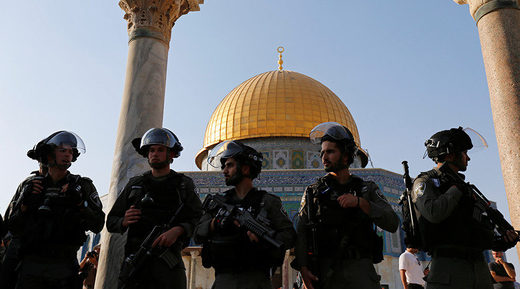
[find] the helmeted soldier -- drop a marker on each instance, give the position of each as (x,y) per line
(8,274)
(450,232)
(151,199)
(337,242)
(51,213)
(240,258)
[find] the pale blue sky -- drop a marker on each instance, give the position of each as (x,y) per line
(405,69)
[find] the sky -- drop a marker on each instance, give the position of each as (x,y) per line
(405,69)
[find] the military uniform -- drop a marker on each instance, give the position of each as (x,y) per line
(165,269)
(8,275)
(450,233)
(52,228)
(238,262)
(347,243)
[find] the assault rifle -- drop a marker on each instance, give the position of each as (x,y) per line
(259,227)
(482,204)
(135,262)
(312,245)
(410,225)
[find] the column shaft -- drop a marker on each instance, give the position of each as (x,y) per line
(142,108)
(500,41)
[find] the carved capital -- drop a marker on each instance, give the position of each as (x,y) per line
(155,18)
(478,8)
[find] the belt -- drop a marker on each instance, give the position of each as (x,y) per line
(460,253)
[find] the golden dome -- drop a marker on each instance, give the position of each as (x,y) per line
(274,104)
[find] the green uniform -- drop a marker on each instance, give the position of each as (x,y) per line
(52,228)
(158,199)
(238,262)
(451,234)
(8,275)
(347,243)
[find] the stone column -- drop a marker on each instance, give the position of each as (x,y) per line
(498,23)
(149,29)
(286,267)
(192,276)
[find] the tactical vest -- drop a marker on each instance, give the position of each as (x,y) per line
(347,231)
(232,250)
(460,229)
(158,201)
(53,224)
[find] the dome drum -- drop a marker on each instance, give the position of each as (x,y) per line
(284,154)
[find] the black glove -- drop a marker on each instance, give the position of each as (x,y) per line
(500,244)
(27,197)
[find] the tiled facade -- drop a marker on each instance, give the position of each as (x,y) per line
(285,153)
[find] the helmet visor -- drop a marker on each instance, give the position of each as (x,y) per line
(478,141)
(158,136)
(223,150)
(70,139)
(332,129)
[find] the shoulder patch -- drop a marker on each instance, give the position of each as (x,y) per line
(419,189)
(94,197)
(436,182)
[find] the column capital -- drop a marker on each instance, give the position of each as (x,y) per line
(479,8)
(155,18)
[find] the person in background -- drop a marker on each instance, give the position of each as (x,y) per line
(410,269)
(503,273)
(88,267)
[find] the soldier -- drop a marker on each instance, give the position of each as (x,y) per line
(450,233)
(8,275)
(337,242)
(151,199)
(51,215)
(240,258)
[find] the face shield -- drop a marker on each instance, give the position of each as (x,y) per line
(223,150)
(67,138)
(332,129)
(478,141)
(439,143)
(158,136)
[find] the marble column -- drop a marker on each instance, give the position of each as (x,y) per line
(149,29)
(192,276)
(498,22)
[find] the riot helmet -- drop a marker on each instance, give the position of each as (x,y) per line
(60,138)
(243,154)
(341,135)
(157,136)
(453,140)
